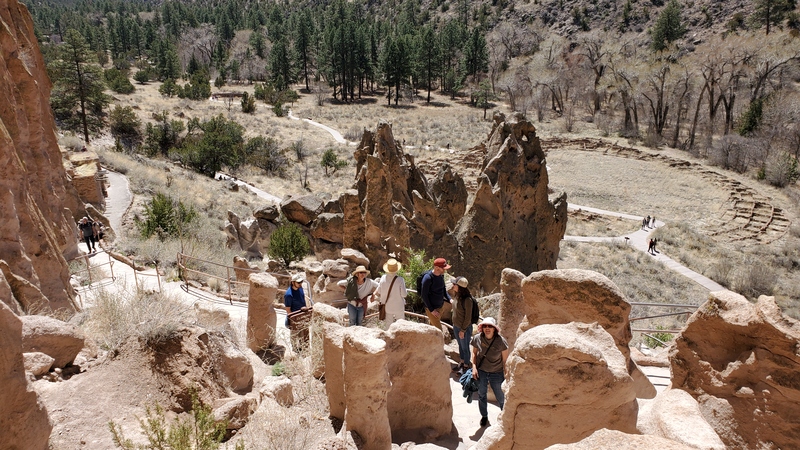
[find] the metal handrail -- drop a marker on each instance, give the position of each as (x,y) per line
(689,309)
(137,273)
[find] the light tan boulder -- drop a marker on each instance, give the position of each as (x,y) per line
(336,268)
(52,337)
(740,361)
(303,209)
(212,318)
(675,415)
(420,400)
(616,440)
(333,357)
(326,290)
(354,257)
(37,363)
(236,368)
(7,297)
(570,295)
(278,389)
(366,386)
(244,234)
(235,411)
(262,319)
(566,382)
(23,418)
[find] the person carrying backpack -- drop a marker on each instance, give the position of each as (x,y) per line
(433,292)
(464,309)
(489,355)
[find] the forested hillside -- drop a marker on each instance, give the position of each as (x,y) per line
(715,78)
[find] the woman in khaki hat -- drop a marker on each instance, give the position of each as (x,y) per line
(392,292)
(357,289)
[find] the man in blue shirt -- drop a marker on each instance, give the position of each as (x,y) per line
(434,293)
(294,299)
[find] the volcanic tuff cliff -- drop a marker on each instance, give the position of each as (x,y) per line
(36,199)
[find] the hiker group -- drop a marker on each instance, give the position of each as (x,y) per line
(648,222)
(482,356)
(91,232)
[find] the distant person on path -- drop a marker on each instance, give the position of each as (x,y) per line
(392,292)
(489,355)
(295,298)
(653,222)
(647,221)
(87,231)
(357,289)
(655,241)
(462,321)
(434,293)
(651,246)
(97,231)
(644,222)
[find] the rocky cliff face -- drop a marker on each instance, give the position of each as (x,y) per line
(36,225)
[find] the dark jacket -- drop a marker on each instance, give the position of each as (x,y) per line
(433,291)
(469,384)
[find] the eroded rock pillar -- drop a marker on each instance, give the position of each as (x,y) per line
(261,316)
(366,386)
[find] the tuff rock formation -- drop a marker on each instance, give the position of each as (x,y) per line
(675,415)
(262,319)
(23,419)
(244,234)
(52,337)
(36,197)
(616,440)
(564,296)
(511,222)
(740,361)
(566,382)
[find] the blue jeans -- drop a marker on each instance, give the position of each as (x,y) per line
(463,344)
(484,380)
(356,314)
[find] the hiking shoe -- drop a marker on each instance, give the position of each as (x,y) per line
(484,421)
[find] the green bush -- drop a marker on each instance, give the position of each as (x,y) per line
(657,339)
(141,76)
(248,103)
(165,216)
(118,81)
(288,243)
(330,160)
(199,431)
(169,88)
(416,264)
(125,125)
(266,154)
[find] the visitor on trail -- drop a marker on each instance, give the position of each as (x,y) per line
(357,289)
(462,321)
(295,299)
(97,231)
(647,221)
(85,227)
(391,293)
(489,355)
(644,222)
(433,292)
(651,246)
(655,241)
(653,222)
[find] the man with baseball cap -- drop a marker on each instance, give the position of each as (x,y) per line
(434,293)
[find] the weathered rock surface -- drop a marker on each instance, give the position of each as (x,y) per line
(236,411)
(244,234)
(236,368)
(52,337)
(278,389)
(242,269)
(37,199)
(511,222)
(302,210)
(616,440)
(567,381)
(262,319)
(328,227)
(675,415)
(420,407)
(355,257)
(37,363)
(333,355)
(564,296)
(23,419)
(366,385)
(739,360)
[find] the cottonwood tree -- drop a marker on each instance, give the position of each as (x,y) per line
(594,52)
(77,97)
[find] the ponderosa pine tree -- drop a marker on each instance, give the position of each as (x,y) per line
(77,97)
(772,12)
(668,26)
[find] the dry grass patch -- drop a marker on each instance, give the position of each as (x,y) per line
(584,223)
(640,277)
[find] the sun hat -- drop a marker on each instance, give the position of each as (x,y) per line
(488,321)
(360,269)
(461,281)
(441,262)
(299,277)
(392,266)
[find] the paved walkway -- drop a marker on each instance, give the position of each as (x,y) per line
(639,239)
(336,135)
(260,193)
(118,201)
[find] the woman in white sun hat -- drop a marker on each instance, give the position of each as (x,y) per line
(392,292)
(357,289)
(489,355)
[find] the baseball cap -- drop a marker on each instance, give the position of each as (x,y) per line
(441,262)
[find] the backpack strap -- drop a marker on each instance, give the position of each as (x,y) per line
(478,366)
(389,292)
